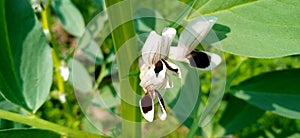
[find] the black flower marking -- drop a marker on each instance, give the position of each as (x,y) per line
(169,67)
(160,99)
(158,67)
(199,59)
(146,103)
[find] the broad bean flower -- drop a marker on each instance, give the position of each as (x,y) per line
(154,71)
(154,65)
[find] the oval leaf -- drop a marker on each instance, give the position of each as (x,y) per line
(276,91)
(69,16)
(26,62)
(271,30)
(79,76)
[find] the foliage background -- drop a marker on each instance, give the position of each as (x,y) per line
(260,40)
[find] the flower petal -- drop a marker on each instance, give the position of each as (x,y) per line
(147,107)
(195,32)
(151,51)
(168,35)
(64,72)
(215,60)
(162,114)
(203,60)
(152,77)
(178,53)
(169,83)
(172,67)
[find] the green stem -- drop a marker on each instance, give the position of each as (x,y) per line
(195,125)
(57,64)
(100,77)
(43,124)
(233,75)
(129,88)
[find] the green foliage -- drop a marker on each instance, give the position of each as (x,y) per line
(237,115)
(261,29)
(79,76)
(33,133)
(69,16)
(26,62)
(276,91)
(261,95)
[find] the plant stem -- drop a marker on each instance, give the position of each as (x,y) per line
(129,87)
(195,125)
(233,74)
(100,77)
(57,64)
(43,124)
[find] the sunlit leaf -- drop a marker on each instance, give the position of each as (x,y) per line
(276,91)
(26,62)
(261,29)
(69,16)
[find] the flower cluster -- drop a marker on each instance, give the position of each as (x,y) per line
(154,65)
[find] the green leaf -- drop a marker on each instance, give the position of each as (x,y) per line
(93,52)
(237,115)
(99,3)
(24,133)
(87,126)
(69,16)
(89,42)
(296,135)
(79,76)
(147,17)
(107,98)
(260,29)
(26,62)
(276,91)
(184,98)
(5,105)
(8,106)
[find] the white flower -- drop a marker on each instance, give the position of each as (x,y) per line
(47,34)
(64,71)
(62,97)
(190,37)
(147,106)
(153,71)
(154,64)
